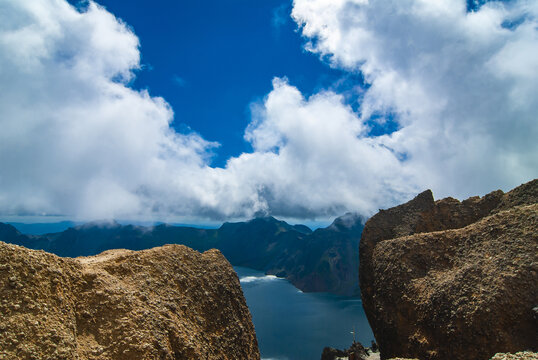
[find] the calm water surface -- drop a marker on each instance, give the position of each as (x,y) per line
(292,325)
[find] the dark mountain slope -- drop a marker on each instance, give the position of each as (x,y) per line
(321,261)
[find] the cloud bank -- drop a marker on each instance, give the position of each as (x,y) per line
(75,139)
(461,86)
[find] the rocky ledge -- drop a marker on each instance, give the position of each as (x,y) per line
(356,352)
(453,280)
(169,302)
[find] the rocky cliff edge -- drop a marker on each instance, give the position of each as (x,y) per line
(169,302)
(453,280)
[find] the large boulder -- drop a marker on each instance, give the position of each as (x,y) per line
(453,280)
(169,302)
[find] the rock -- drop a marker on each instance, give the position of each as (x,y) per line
(331,354)
(355,352)
(169,302)
(453,280)
(523,355)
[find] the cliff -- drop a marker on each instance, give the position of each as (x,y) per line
(453,280)
(164,303)
(325,260)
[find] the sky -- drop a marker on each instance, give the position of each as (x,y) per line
(211,61)
(212,111)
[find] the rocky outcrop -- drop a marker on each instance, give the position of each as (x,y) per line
(164,303)
(355,352)
(453,280)
(523,355)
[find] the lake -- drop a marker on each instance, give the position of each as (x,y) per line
(292,325)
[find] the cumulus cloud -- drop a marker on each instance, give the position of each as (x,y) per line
(462,85)
(77,141)
(316,156)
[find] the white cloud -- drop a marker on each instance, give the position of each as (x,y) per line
(464,87)
(75,140)
(316,156)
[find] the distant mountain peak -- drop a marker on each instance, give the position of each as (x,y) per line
(347,222)
(302,229)
(8,229)
(323,260)
(267,218)
(101,224)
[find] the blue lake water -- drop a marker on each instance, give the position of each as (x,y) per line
(292,325)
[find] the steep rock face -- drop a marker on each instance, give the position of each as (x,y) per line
(453,280)
(164,303)
(330,258)
(325,260)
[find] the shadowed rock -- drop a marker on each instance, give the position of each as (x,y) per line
(453,280)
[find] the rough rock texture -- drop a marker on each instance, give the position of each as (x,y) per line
(453,280)
(355,352)
(164,303)
(523,355)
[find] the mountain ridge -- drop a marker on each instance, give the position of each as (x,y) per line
(324,260)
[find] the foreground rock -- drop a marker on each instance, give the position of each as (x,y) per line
(164,303)
(523,355)
(453,280)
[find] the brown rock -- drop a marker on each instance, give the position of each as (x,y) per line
(453,280)
(355,352)
(169,302)
(523,355)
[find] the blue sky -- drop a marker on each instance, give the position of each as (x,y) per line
(210,60)
(199,112)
